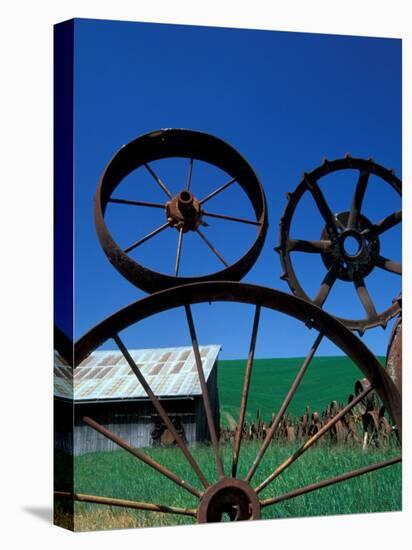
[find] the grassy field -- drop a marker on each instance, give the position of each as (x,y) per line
(117,474)
(327,378)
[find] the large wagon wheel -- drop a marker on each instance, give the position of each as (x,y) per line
(183,212)
(239,499)
(349,242)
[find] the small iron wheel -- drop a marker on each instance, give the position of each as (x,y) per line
(225,495)
(185,211)
(349,225)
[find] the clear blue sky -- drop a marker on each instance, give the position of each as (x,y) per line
(283,100)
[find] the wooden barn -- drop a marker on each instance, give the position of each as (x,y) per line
(105,388)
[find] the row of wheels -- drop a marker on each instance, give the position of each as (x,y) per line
(188,210)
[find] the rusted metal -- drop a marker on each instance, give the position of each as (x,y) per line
(245,391)
(80,497)
(394,355)
(331,481)
(141,456)
(350,266)
(161,411)
(367,417)
(319,433)
(184,211)
(205,391)
(231,497)
(269,298)
(284,406)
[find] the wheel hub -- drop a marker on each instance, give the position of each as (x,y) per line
(354,252)
(183,211)
(228,500)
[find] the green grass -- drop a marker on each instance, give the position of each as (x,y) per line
(117,474)
(327,379)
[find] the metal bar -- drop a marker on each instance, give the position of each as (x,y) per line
(179,251)
(330,481)
(218,190)
(158,181)
(313,439)
(321,202)
(387,223)
(127,503)
(358,199)
(146,238)
(313,247)
(389,265)
(230,218)
(212,248)
(162,413)
(284,406)
(141,456)
(205,391)
(325,287)
(245,391)
(365,298)
(189,175)
(137,203)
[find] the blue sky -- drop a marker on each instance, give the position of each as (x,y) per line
(284,101)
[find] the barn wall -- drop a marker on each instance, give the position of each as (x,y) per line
(132,421)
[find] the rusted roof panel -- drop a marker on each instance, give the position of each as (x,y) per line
(104,375)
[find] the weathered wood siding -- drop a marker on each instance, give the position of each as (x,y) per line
(133,421)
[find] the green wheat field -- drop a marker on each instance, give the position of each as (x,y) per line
(119,475)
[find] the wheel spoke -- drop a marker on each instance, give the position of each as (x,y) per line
(283,407)
(146,238)
(189,175)
(326,286)
(330,481)
(141,456)
(212,248)
(389,265)
(179,251)
(321,203)
(230,218)
(313,247)
(159,407)
(358,199)
(314,438)
(158,181)
(365,297)
(245,391)
(137,203)
(80,497)
(205,391)
(218,190)
(386,223)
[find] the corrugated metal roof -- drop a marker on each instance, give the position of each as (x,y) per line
(170,372)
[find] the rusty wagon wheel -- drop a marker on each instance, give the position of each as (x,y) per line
(184,212)
(228,495)
(349,242)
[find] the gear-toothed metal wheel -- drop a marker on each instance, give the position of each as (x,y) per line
(184,212)
(349,266)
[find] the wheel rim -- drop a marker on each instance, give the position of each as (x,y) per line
(184,211)
(339,264)
(239,498)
